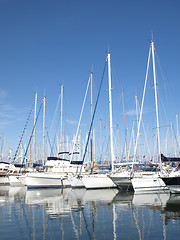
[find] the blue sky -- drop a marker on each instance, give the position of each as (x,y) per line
(44,44)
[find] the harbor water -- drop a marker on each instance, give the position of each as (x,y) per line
(87,214)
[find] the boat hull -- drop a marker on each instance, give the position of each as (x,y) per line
(44,180)
(97,181)
(122,181)
(171,180)
(76,182)
(173,183)
(14,181)
(153,184)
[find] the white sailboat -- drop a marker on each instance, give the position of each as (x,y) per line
(9,174)
(76,178)
(57,168)
(58,171)
(152,182)
(171,176)
(97,181)
(4,168)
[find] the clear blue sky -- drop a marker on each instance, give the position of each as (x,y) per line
(46,43)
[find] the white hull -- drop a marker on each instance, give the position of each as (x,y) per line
(122,180)
(76,182)
(44,180)
(97,181)
(66,183)
(4,180)
(148,184)
(14,181)
(22,179)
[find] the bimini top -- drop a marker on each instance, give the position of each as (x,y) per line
(67,154)
(169,159)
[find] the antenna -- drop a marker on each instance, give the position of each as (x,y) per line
(152,37)
(92,68)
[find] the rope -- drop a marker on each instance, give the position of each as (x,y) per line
(49,143)
(30,137)
(23,131)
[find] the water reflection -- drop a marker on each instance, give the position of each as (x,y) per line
(57,202)
(123,198)
(172,208)
(93,214)
(10,194)
(157,200)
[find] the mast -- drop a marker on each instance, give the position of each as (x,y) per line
(156,102)
(118,145)
(34,142)
(110,112)
(142,104)
(172,142)
(44,102)
(101,136)
(30,150)
(125,127)
(166,141)
(92,163)
(61,113)
(177,135)
(137,119)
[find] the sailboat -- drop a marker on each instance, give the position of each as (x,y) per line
(152,182)
(142,180)
(122,176)
(57,172)
(98,181)
(76,178)
(57,168)
(4,170)
(171,177)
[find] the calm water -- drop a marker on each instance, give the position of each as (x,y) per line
(87,214)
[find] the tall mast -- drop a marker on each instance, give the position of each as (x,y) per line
(30,150)
(118,155)
(61,114)
(101,136)
(172,142)
(34,142)
(125,126)
(142,104)
(177,135)
(110,112)
(137,119)
(156,102)
(44,102)
(92,164)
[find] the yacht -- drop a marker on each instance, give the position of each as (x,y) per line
(56,173)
